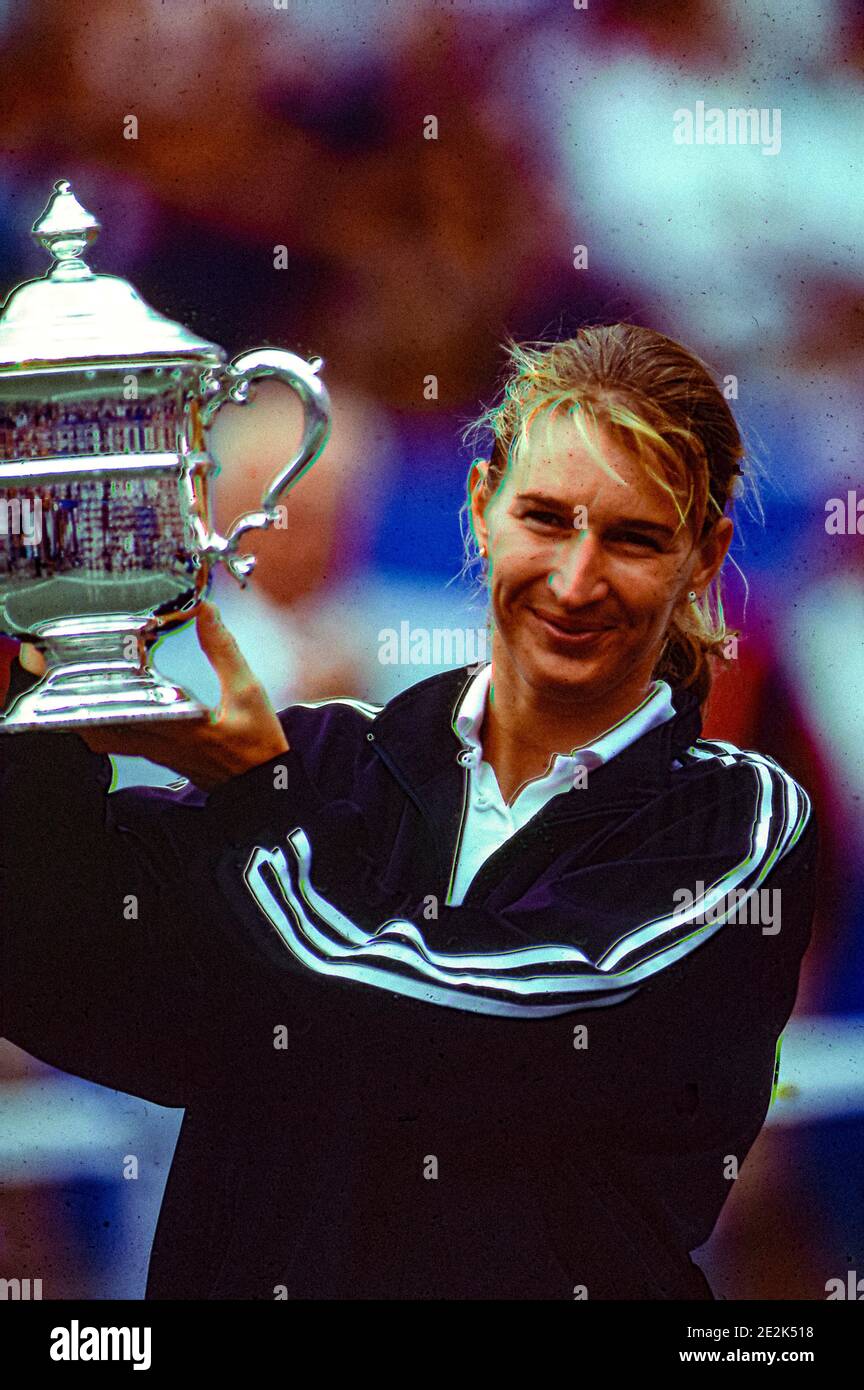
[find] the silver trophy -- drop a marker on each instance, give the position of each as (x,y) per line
(106,540)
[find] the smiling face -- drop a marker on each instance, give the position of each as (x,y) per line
(581,614)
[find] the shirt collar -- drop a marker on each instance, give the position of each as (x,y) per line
(654,709)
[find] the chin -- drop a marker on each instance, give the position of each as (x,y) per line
(545,669)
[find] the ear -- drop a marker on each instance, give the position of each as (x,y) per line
(478,500)
(711,554)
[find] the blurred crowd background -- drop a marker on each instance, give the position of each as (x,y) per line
(259,125)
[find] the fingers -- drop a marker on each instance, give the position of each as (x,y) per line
(236,679)
(115,739)
(219,743)
(144,741)
(31,659)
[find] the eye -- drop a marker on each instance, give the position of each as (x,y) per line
(547,518)
(638,537)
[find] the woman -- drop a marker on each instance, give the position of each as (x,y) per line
(475,995)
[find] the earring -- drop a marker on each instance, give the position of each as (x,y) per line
(483,551)
(692,595)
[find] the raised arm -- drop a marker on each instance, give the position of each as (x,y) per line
(95,974)
(111,965)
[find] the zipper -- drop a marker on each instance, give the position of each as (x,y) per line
(462,818)
(527,831)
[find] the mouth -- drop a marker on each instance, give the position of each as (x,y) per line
(575,635)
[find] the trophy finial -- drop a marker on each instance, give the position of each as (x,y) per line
(66,229)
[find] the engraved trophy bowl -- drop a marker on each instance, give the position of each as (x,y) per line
(106,536)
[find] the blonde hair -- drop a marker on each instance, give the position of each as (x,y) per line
(661,402)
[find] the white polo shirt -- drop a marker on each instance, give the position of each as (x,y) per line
(489,821)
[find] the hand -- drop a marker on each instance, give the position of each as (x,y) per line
(243,733)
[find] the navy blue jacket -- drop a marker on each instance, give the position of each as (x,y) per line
(541,1093)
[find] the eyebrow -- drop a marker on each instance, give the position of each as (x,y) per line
(640,523)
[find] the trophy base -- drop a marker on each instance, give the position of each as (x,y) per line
(76,697)
(96,678)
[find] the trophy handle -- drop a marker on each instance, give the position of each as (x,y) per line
(232,383)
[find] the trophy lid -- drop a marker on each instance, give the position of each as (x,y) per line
(72,315)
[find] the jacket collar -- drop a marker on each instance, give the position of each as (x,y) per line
(655,708)
(417,732)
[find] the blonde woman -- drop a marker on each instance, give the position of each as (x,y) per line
(476,995)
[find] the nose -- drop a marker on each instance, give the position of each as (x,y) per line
(577,576)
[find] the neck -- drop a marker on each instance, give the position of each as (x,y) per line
(523,728)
